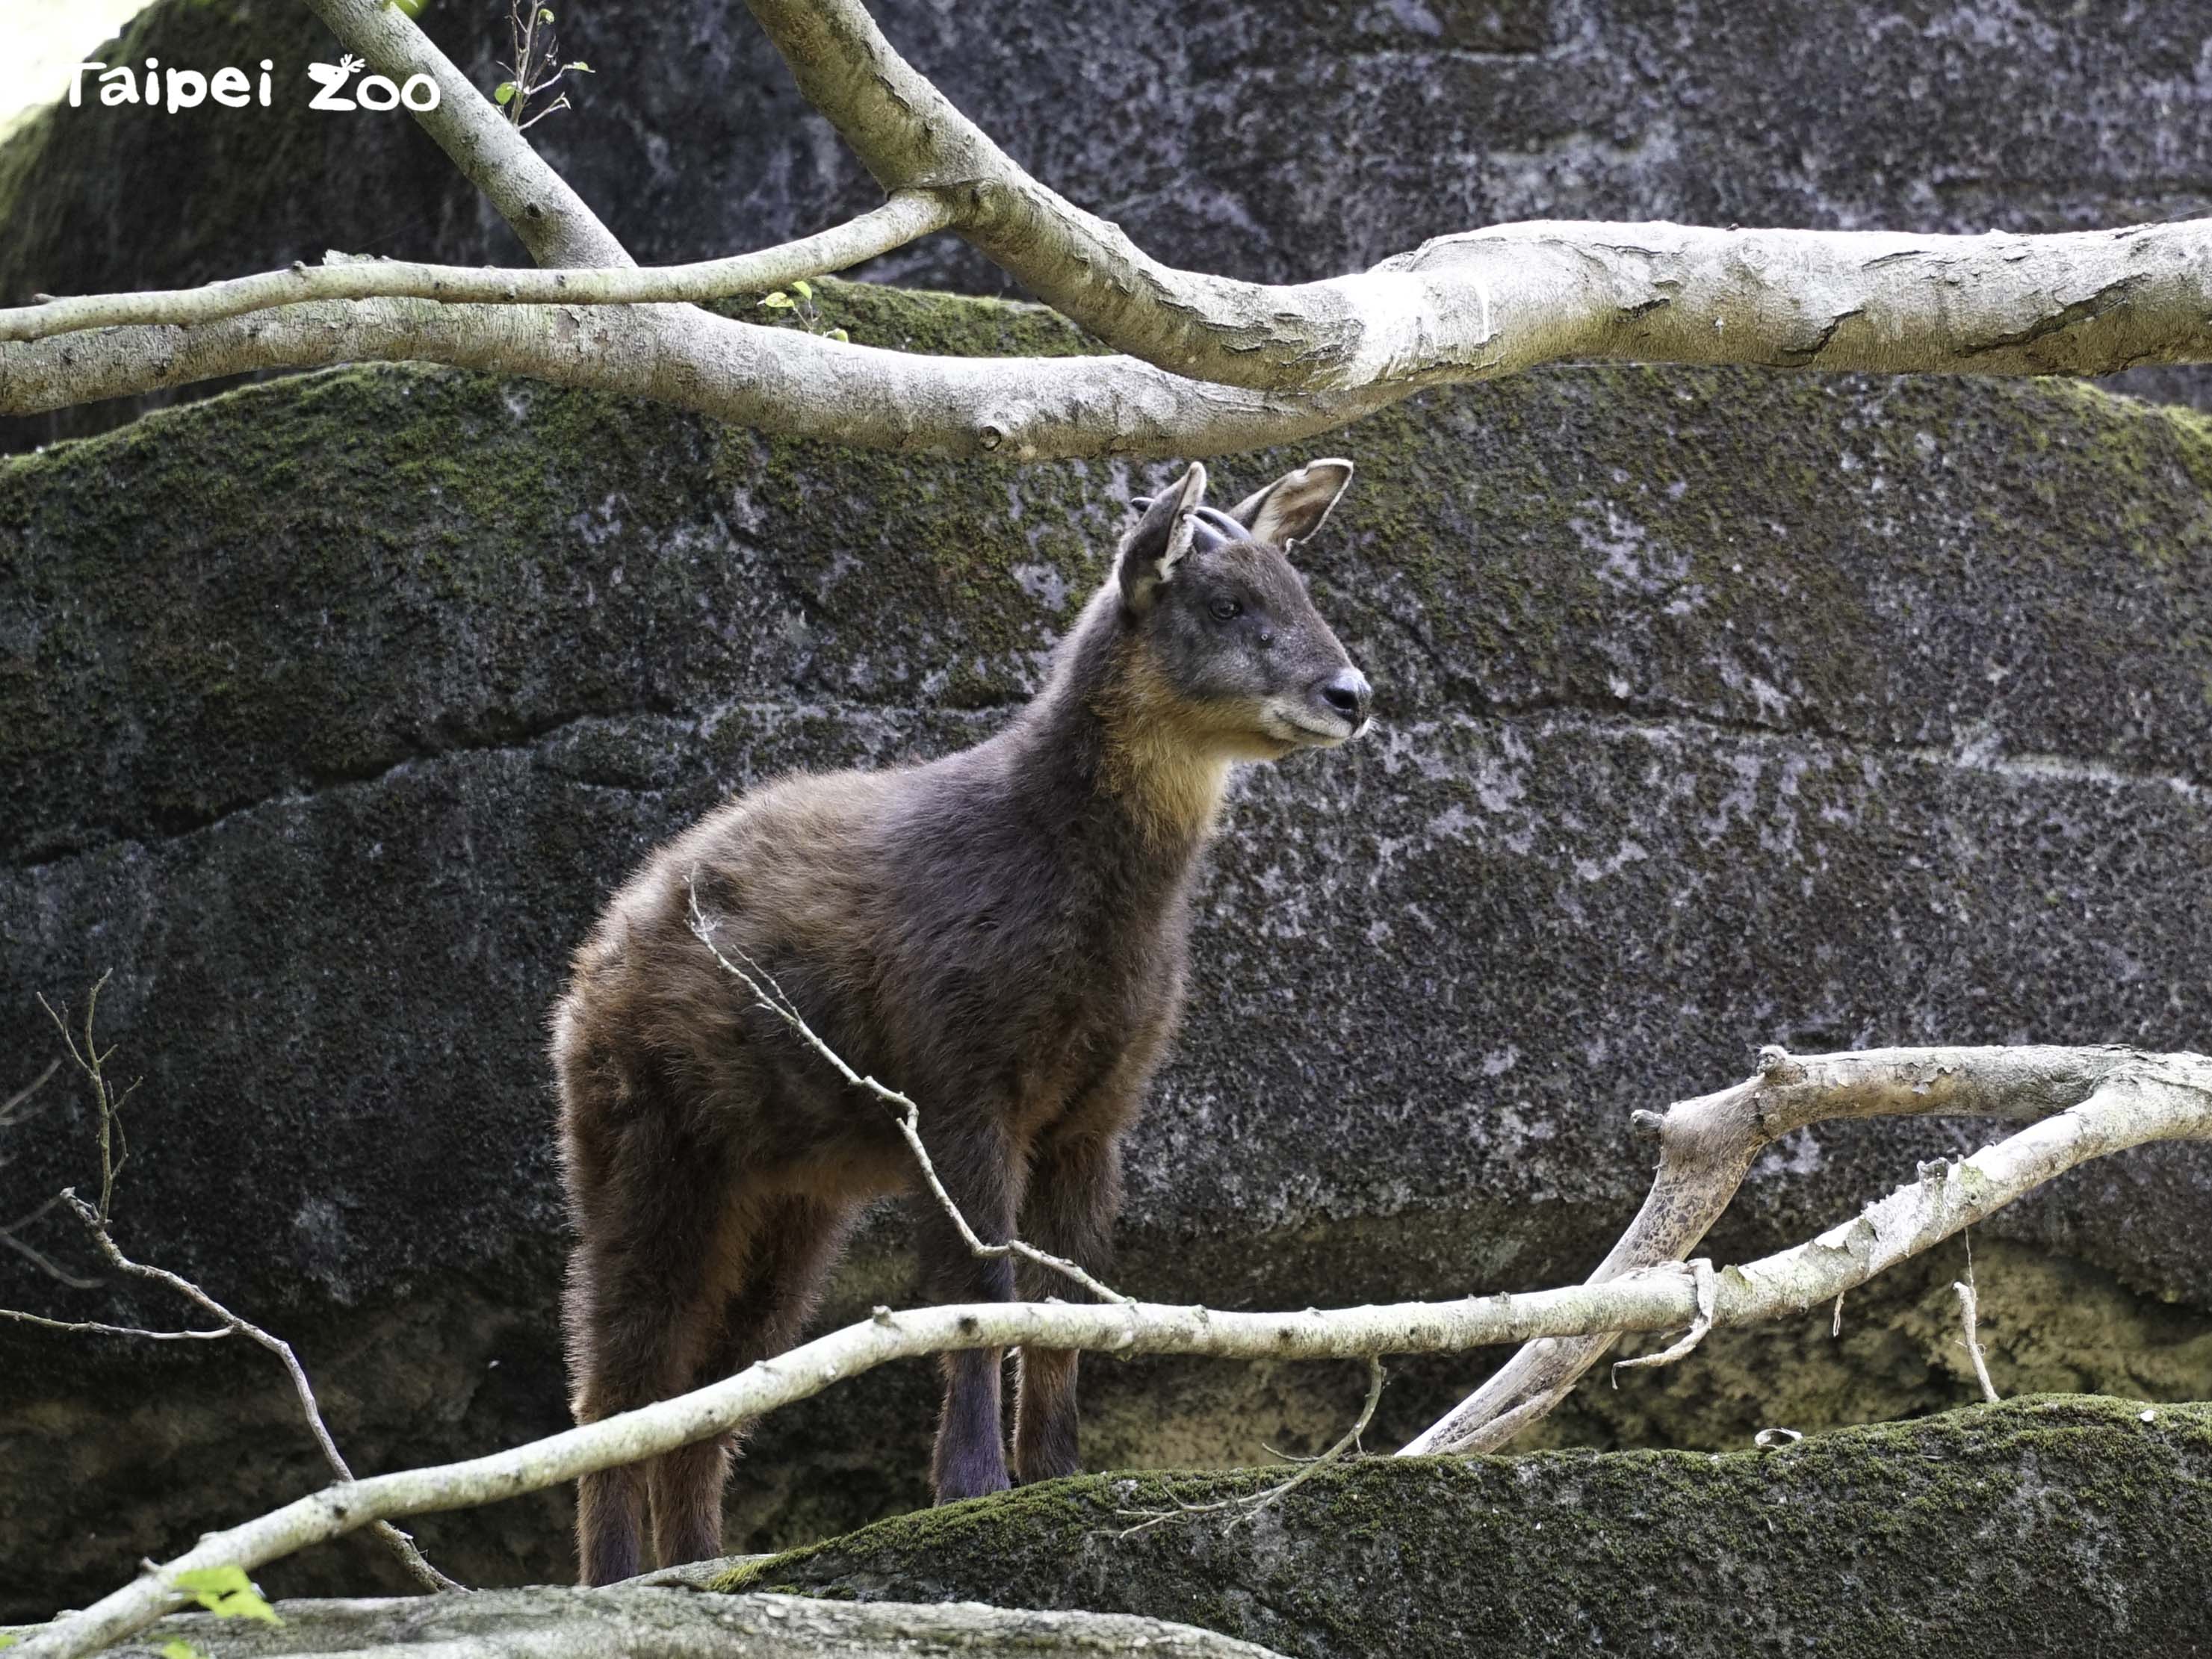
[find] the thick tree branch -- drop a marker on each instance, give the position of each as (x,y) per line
(1265,365)
(780,380)
(1496,301)
(547,217)
(2090,1103)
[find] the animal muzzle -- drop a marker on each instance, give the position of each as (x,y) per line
(1343,700)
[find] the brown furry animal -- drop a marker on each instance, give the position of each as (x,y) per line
(999,933)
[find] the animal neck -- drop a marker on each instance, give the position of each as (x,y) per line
(1136,753)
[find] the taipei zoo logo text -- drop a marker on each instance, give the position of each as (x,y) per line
(173,89)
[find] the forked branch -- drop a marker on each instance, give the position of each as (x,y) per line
(770,998)
(1707,1145)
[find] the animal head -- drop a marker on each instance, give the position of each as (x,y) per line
(1220,622)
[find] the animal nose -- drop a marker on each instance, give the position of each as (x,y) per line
(1348,693)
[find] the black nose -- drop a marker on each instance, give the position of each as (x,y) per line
(1348,693)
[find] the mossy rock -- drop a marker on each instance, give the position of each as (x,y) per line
(2051,1524)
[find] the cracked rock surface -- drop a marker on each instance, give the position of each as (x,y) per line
(1715,709)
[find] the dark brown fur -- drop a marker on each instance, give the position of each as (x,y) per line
(999,933)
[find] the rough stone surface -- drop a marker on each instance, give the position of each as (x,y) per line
(627,1622)
(1284,141)
(1716,710)
(2048,1525)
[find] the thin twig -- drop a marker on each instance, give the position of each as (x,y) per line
(1249,1506)
(1701,1271)
(94,1328)
(114,1150)
(38,1259)
(771,998)
(1970,1314)
(13,1105)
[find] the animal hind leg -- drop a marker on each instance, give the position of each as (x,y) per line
(648,1203)
(794,1243)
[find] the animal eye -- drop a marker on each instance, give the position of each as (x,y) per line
(1225,610)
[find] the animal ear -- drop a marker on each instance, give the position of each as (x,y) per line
(1151,552)
(1291,509)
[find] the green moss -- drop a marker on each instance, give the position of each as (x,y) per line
(1695,540)
(2048,1524)
(920,320)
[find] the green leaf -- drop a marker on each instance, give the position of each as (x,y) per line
(407,8)
(779,300)
(840,336)
(206,1583)
(226,1592)
(805,291)
(503,92)
(580,67)
(174,1648)
(9,1641)
(543,16)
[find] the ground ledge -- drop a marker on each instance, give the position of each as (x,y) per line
(2052,1524)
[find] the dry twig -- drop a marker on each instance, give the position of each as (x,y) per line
(770,996)
(92,1060)
(1970,1315)
(1249,1506)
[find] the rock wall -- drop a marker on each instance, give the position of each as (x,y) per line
(1283,142)
(1716,710)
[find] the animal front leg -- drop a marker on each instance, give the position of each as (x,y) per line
(970,1458)
(1073,1197)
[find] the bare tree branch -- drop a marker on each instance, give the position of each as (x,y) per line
(548,217)
(17,1107)
(1215,365)
(95,1327)
(898,222)
(1970,1317)
(1496,301)
(777,379)
(1707,1145)
(2089,1103)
